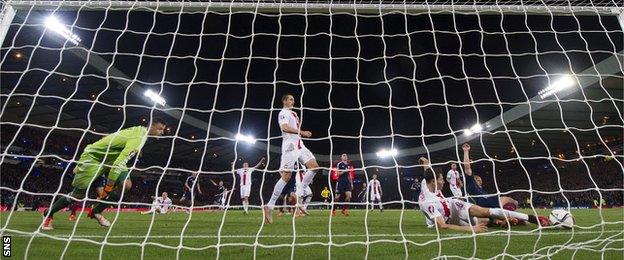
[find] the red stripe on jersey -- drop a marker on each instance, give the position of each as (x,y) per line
(297,121)
(245,178)
(301,176)
(447,211)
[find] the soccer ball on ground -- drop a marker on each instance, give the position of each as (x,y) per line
(561,218)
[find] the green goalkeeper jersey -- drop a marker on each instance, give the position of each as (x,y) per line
(118,148)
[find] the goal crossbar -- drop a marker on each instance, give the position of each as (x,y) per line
(326,7)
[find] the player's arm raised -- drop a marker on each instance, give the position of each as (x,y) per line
(425,163)
(260,163)
(478,228)
(467,167)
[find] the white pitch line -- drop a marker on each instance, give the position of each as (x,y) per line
(498,233)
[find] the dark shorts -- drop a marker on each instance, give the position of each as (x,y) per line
(290,186)
(343,186)
(101,182)
(487,202)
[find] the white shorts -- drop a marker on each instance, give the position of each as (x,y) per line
(457,193)
(460,214)
(245,190)
(163,210)
(289,158)
(375,197)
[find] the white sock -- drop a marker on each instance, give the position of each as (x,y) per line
(504,214)
(380,205)
(245,206)
(277,191)
(307,178)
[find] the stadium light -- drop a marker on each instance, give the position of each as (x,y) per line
(246,138)
(473,130)
(53,24)
(383,153)
(155,97)
(561,84)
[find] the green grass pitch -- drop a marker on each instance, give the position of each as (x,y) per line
(237,235)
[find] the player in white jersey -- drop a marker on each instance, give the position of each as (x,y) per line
(307,191)
(245,181)
(160,205)
(375,191)
(455,214)
(452,177)
(293,151)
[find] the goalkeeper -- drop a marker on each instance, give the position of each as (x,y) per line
(109,154)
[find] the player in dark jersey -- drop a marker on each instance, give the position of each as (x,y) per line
(477,195)
(344,185)
(415,191)
(221,198)
(190,186)
(474,187)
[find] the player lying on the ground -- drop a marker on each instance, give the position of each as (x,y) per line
(293,151)
(375,192)
(455,214)
(474,187)
(344,187)
(160,205)
(245,181)
(111,154)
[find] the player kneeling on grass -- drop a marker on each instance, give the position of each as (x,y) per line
(455,214)
(160,205)
(109,154)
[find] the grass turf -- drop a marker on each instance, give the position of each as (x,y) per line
(205,230)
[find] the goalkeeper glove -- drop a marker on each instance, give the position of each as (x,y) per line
(107,189)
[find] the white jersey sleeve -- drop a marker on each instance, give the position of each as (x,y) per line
(290,141)
(433,205)
(283,117)
(430,209)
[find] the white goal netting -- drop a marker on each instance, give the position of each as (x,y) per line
(535,87)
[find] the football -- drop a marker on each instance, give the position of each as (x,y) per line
(561,218)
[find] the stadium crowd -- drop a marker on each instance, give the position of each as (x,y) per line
(48,173)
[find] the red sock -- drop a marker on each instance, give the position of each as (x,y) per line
(345,206)
(73,208)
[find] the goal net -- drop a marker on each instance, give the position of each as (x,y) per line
(534,87)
